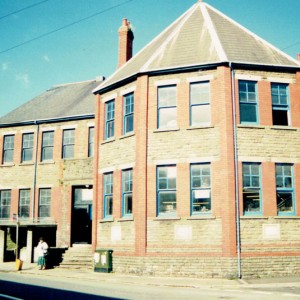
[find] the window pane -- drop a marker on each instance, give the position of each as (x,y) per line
(199,93)
(167,96)
(200,115)
(201,200)
(127,204)
(280,117)
(285,202)
(108,205)
(128,124)
(251,200)
(248,113)
(167,202)
(168,117)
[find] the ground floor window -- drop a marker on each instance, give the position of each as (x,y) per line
(200,188)
(108,195)
(252,188)
(127,192)
(285,189)
(166,190)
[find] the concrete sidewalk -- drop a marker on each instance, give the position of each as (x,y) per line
(56,273)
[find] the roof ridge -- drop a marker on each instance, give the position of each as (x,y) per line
(184,17)
(255,36)
(213,33)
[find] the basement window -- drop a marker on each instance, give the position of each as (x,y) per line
(280,104)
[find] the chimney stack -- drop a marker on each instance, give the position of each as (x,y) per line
(298,56)
(125,42)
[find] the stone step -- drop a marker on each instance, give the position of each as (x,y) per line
(78,257)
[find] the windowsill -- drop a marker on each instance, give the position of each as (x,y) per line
(106,220)
(253,217)
(166,129)
(26,163)
(108,141)
(126,219)
(256,126)
(202,217)
(46,162)
(287,217)
(127,135)
(166,218)
(8,165)
(200,127)
(281,127)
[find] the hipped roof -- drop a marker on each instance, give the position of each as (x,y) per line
(67,101)
(201,36)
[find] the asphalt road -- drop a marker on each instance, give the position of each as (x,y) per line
(21,286)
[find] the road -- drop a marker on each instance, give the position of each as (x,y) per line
(33,287)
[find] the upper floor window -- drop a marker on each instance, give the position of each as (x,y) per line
(285,189)
(248,101)
(127,192)
(8,149)
(251,188)
(200,104)
(108,195)
(91,142)
(109,119)
(201,188)
(5,199)
(24,203)
(68,143)
(47,145)
(128,113)
(167,107)
(280,104)
(27,147)
(44,202)
(166,190)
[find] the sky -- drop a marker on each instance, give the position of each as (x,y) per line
(44,43)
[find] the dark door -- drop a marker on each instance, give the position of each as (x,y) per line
(81,223)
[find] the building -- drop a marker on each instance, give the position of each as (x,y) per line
(198,153)
(46,170)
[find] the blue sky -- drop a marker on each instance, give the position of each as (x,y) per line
(90,48)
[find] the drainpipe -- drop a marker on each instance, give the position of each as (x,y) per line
(237,205)
(35,167)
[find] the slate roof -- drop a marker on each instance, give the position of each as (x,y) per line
(201,36)
(66,101)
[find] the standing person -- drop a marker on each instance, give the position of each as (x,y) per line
(42,249)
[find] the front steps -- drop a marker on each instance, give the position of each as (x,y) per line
(79,257)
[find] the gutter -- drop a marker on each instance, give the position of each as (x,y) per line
(50,120)
(236,175)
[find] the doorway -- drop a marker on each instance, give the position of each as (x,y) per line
(81,219)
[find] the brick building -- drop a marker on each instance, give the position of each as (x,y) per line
(46,172)
(198,153)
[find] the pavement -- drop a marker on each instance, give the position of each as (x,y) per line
(56,273)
